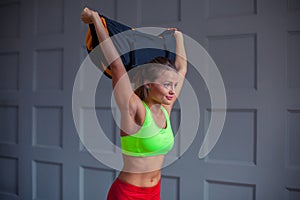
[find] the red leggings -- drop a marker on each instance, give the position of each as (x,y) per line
(125,191)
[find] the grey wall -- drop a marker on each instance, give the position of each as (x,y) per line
(255,45)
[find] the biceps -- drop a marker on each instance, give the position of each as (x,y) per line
(181,75)
(123,92)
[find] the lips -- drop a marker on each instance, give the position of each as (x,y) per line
(169,97)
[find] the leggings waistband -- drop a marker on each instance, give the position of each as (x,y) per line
(134,188)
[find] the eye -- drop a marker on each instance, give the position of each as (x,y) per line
(167,85)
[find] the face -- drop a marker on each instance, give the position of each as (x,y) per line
(162,90)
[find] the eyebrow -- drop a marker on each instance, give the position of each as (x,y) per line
(170,82)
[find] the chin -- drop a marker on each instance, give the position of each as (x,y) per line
(167,102)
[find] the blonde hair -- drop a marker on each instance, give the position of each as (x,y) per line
(150,72)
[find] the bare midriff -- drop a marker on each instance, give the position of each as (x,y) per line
(141,171)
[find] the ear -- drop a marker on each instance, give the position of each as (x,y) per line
(147,84)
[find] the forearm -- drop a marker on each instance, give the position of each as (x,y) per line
(105,42)
(111,55)
(120,80)
(180,61)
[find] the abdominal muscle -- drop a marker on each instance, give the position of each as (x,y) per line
(141,171)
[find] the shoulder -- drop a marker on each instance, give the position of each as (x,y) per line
(168,108)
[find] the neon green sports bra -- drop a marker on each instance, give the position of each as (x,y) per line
(150,140)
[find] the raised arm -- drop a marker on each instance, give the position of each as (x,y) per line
(180,60)
(180,64)
(120,80)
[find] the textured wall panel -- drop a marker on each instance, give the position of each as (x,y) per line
(293,59)
(170,188)
(9,181)
(107,122)
(128,11)
(237,143)
(47,127)
(235,57)
(220,190)
(9,71)
(47,180)
(228,8)
(175,121)
(169,11)
(293,139)
(108,10)
(49,17)
(292,194)
(89,129)
(48,71)
(83,51)
(293,4)
(9,124)
(10,19)
(89,75)
(95,183)
(44,57)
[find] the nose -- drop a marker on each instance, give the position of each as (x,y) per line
(172,91)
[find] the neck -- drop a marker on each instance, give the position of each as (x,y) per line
(154,106)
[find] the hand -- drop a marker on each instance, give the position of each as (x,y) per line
(176,32)
(172,29)
(87,15)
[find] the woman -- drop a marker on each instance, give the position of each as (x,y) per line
(146,134)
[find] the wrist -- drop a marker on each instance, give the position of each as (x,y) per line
(94,16)
(177,34)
